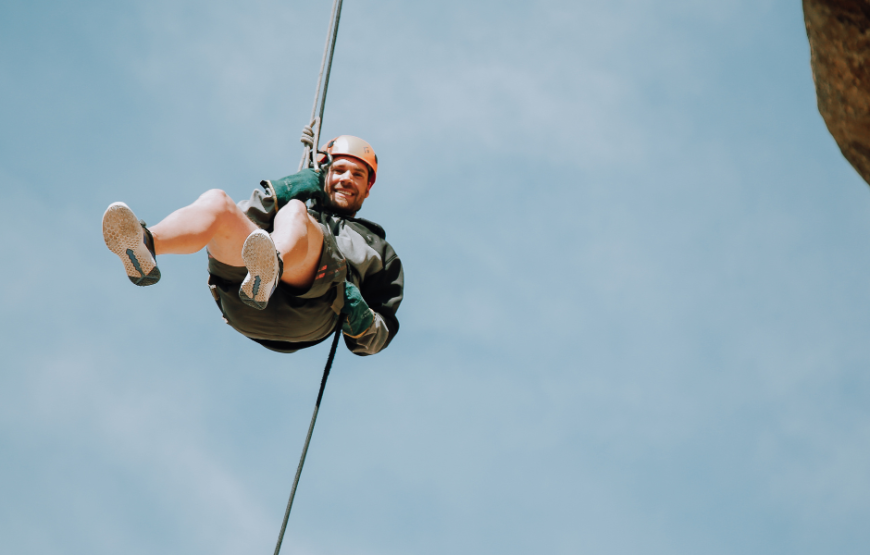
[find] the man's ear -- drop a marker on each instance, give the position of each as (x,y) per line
(371,182)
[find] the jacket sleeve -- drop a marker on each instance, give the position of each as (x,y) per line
(261,207)
(382,291)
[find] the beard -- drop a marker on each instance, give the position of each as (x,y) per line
(346,211)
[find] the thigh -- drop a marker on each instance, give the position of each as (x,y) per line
(226,244)
(302,273)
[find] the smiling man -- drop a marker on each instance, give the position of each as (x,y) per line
(282,273)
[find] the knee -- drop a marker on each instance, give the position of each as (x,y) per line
(216,201)
(295,210)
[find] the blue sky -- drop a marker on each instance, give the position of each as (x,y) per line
(636,299)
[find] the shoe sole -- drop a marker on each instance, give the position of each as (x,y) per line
(125,237)
(261,260)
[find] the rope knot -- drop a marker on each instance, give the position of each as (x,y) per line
(310,138)
(307,136)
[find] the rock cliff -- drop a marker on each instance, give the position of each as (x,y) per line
(839,35)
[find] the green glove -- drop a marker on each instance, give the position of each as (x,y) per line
(307,184)
(359,315)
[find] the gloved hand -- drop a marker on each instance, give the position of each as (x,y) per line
(307,184)
(359,315)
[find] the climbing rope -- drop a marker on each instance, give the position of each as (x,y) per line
(311,139)
(311,132)
(310,431)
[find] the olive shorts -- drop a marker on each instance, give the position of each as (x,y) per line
(294,318)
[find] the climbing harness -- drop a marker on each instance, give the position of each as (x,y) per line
(310,138)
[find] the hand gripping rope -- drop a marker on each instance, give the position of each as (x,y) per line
(311,139)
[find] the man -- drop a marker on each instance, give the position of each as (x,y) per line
(280,273)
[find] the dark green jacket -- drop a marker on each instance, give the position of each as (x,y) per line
(370,263)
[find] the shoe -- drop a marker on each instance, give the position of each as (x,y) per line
(264,270)
(127,236)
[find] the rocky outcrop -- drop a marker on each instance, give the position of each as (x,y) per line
(839,34)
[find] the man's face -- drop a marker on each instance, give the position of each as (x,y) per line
(347,184)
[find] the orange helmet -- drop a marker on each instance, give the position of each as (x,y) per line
(348,145)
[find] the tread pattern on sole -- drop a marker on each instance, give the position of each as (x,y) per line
(125,237)
(261,260)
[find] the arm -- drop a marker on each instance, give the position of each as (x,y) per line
(382,292)
(263,205)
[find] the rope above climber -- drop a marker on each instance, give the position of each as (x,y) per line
(283,274)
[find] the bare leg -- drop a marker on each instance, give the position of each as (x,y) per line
(299,240)
(213,220)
